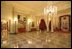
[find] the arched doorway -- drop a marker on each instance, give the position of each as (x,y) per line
(42,25)
(21,24)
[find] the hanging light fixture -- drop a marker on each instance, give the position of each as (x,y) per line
(50,10)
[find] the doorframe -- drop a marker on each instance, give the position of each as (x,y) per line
(69,21)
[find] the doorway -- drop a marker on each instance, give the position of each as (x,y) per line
(21,24)
(50,26)
(65,22)
(42,25)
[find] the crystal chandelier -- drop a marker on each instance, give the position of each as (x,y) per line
(50,10)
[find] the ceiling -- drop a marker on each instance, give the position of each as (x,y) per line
(37,7)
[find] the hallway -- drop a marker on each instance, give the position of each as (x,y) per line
(35,24)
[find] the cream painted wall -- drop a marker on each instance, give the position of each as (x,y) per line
(5,11)
(7,14)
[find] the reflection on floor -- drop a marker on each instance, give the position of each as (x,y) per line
(40,40)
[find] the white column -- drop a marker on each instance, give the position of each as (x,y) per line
(28,27)
(52,25)
(11,26)
(46,22)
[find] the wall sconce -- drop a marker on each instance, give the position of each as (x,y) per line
(29,21)
(3,21)
(15,19)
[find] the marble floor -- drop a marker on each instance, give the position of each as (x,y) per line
(40,40)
